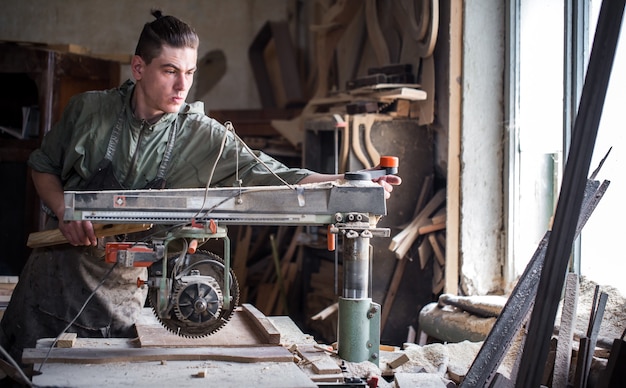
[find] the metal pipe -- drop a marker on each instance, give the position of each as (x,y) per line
(356,269)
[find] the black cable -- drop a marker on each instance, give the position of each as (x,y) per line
(77,315)
(17,367)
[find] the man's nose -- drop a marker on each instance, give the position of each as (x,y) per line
(183,82)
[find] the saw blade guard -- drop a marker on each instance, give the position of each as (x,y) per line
(190,302)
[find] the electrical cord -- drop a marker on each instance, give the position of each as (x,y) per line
(17,367)
(231,129)
(77,315)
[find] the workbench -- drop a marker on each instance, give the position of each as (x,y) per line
(251,348)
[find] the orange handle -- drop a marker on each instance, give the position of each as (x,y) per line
(193,245)
(389,161)
(330,240)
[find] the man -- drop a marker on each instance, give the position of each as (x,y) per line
(140,135)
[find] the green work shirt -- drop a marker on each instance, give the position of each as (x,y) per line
(75,146)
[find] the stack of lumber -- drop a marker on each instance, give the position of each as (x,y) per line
(426,232)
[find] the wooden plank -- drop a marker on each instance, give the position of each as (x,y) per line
(320,360)
(102,356)
(325,313)
(54,237)
(563,356)
(431,228)
(264,326)
(400,360)
(66,340)
(453,120)
(402,241)
(595,320)
(390,296)
(424,252)
(583,349)
(178,374)
(401,93)
(439,255)
(439,216)
(239,331)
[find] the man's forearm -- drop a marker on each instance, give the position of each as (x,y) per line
(50,191)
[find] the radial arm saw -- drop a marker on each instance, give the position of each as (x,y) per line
(193,293)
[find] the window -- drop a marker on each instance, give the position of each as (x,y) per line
(540,133)
(603,257)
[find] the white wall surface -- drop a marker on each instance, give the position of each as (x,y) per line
(481,147)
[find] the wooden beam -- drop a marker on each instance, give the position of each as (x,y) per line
(51,237)
(453,202)
(264,326)
(563,356)
(108,355)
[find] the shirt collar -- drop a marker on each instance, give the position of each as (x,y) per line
(126,90)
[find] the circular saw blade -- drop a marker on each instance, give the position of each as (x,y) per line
(201,266)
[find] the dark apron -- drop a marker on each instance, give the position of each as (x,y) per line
(56,281)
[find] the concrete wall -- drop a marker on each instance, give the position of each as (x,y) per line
(113,27)
(481,147)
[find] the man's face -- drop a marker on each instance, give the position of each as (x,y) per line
(162,85)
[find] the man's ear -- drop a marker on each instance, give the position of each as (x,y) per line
(137,66)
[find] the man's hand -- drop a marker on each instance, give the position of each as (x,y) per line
(78,232)
(51,193)
(387,182)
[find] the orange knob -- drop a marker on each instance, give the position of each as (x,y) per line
(389,161)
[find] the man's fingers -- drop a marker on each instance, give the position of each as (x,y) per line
(391,179)
(90,235)
(79,233)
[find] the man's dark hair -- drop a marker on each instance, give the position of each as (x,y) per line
(165,30)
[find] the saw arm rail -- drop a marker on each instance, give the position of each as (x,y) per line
(310,204)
